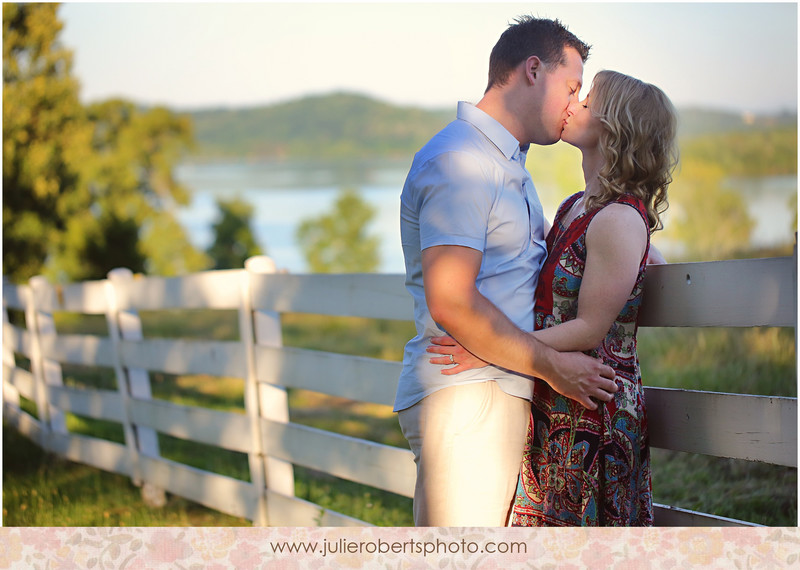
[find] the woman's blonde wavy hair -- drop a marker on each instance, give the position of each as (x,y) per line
(637,143)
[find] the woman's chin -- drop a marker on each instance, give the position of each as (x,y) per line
(567,139)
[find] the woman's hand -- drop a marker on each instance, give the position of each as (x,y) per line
(453,353)
(655,256)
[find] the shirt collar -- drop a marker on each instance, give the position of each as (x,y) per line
(492,130)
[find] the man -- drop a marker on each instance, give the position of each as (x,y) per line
(473,239)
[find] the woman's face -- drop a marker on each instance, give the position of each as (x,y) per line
(581,128)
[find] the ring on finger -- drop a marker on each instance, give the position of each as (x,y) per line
(452,360)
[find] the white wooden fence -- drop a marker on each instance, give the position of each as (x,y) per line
(760,292)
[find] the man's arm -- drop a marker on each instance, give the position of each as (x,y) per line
(449,276)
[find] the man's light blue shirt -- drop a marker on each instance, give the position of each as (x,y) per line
(469,187)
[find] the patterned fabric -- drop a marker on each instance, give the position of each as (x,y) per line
(582,467)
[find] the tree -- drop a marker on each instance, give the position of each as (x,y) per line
(233,235)
(121,211)
(92,246)
(167,248)
(709,220)
(44,136)
(337,242)
(85,189)
(127,176)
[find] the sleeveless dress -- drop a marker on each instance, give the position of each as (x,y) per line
(583,467)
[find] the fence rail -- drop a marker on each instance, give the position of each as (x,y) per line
(759,292)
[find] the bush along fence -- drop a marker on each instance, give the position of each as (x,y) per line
(739,293)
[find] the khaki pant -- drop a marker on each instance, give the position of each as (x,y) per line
(467,442)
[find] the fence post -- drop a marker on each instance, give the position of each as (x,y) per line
(794,256)
(10,392)
(112,322)
(263,328)
(129,327)
(46,372)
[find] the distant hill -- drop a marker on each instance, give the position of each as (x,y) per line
(353,126)
(697,122)
(339,125)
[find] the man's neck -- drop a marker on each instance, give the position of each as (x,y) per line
(500,107)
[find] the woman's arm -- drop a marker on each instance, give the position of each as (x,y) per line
(615,244)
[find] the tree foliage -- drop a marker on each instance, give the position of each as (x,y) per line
(44,136)
(710,220)
(337,242)
(765,152)
(233,235)
(85,188)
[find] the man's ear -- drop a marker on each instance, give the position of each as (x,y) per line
(533,67)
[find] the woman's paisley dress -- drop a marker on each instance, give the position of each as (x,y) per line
(582,467)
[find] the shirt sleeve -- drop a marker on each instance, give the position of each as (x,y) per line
(454,196)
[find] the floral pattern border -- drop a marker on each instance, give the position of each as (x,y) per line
(290,548)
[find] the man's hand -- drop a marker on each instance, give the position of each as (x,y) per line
(574,375)
(582,378)
(453,353)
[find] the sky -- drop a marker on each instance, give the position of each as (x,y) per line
(731,56)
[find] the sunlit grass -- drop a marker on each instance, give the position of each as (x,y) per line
(40,489)
(758,361)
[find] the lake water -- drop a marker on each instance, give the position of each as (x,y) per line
(285,194)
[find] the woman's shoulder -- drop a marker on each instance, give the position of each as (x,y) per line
(618,227)
(625,205)
(620,218)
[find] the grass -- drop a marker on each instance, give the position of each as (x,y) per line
(756,361)
(42,490)
(744,490)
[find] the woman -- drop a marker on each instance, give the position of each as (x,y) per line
(582,467)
